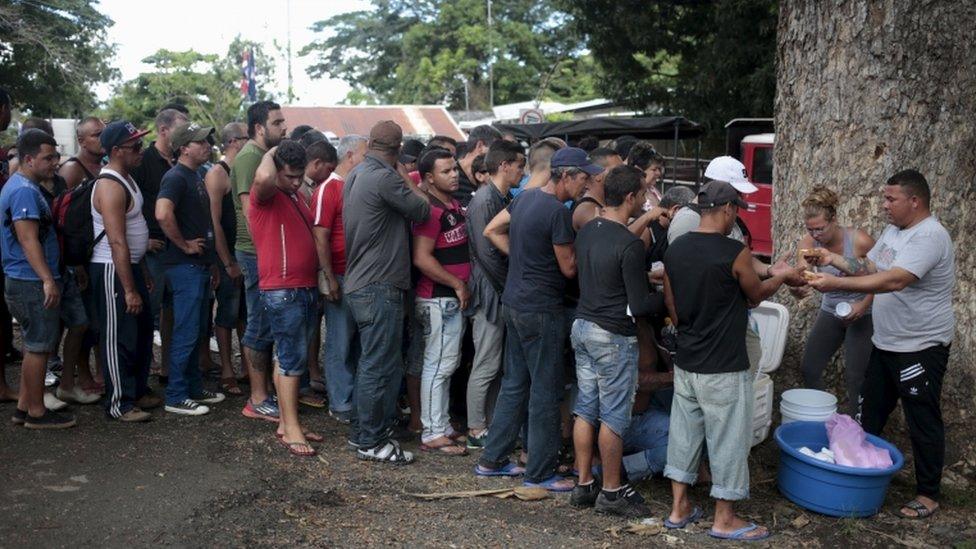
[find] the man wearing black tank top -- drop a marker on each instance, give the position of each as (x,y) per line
(709,283)
(88,161)
(228,293)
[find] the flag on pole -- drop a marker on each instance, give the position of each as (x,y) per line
(249,87)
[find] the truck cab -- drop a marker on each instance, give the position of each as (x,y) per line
(757,156)
(751,141)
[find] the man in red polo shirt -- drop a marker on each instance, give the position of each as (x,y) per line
(341,354)
(281,227)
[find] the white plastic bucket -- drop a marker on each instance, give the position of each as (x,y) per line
(807,405)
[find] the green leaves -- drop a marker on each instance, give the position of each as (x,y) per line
(208,85)
(425,52)
(53,53)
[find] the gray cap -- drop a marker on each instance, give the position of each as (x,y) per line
(718,193)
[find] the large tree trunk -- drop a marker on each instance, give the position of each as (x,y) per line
(865,89)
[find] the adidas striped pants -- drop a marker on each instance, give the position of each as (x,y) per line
(916,380)
(124,340)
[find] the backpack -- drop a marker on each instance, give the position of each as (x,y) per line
(73,220)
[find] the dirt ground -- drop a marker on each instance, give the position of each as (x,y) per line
(222,480)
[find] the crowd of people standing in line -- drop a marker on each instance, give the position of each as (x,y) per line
(606,319)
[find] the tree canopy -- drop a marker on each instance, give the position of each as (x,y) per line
(206,84)
(710,61)
(426,51)
(53,53)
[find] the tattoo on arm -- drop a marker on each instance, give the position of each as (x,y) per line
(858,266)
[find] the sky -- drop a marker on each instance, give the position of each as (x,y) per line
(209,26)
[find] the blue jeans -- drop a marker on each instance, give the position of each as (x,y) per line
(340,353)
(190,284)
(606,373)
(378,310)
(291,313)
(646,444)
(161,296)
(257,333)
(442,326)
(532,382)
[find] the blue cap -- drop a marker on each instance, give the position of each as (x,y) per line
(118,132)
(572,157)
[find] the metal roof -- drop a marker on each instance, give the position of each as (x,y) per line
(342,120)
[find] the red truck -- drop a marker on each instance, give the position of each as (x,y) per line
(750,140)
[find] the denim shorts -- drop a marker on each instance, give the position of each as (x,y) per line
(291,314)
(606,374)
(40,328)
(73,312)
(228,296)
(257,333)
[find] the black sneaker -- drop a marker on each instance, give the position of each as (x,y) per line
(187,408)
(208,397)
(19,417)
(624,502)
(584,495)
(50,420)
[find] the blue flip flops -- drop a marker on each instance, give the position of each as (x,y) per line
(740,534)
(695,516)
(550,484)
(509,470)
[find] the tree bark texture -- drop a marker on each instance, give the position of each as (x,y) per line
(866,88)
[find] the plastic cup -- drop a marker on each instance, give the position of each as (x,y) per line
(843,309)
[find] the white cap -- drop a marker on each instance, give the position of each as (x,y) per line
(730,170)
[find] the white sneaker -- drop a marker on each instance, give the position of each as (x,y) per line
(52,402)
(77,395)
(51,379)
(187,408)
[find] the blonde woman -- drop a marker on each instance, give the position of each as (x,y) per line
(832,328)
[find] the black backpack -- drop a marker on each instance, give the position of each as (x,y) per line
(73,220)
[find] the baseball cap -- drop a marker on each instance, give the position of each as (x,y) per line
(574,157)
(118,132)
(188,133)
(730,170)
(718,193)
(386,135)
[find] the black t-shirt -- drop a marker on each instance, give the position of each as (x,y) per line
(610,263)
(534,282)
(191,204)
(659,243)
(149,176)
(711,308)
(466,188)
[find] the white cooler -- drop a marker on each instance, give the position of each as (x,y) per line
(772,321)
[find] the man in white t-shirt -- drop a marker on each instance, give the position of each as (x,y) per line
(912,269)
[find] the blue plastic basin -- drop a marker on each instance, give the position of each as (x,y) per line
(835,490)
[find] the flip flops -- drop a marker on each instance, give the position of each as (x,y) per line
(741,534)
(508,470)
(551,484)
(695,516)
(309,436)
(921,511)
(229,386)
(298,449)
(447,449)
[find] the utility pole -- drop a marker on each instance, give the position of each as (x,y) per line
(291,91)
(491,63)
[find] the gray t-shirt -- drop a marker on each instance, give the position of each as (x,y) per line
(920,315)
(687,220)
(376,206)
